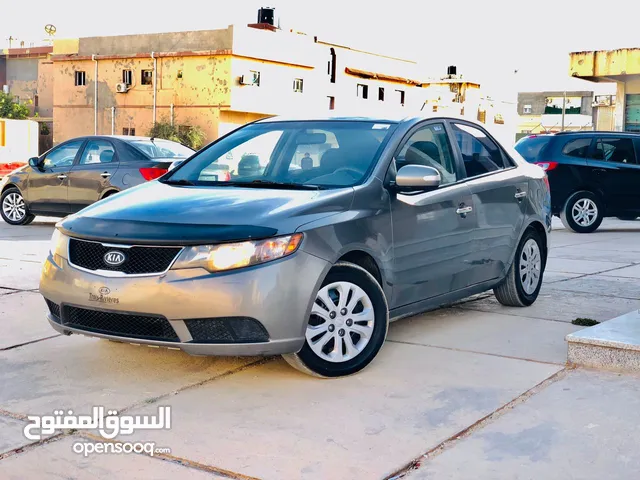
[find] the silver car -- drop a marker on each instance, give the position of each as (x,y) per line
(309,259)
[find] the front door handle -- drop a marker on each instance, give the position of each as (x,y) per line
(599,170)
(464,210)
(105,175)
(520,195)
(62,176)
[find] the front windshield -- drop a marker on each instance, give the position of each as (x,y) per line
(324,154)
(158,148)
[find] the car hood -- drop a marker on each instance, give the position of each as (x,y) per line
(155,213)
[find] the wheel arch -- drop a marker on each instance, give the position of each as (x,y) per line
(366,261)
(108,193)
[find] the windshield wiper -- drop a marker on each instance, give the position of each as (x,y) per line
(178,182)
(283,185)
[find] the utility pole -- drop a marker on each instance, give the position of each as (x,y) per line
(564,106)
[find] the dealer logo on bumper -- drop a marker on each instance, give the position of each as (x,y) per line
(103,297)
(114,258)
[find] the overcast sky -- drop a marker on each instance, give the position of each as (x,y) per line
(488,40)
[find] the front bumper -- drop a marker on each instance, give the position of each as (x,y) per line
(277,295)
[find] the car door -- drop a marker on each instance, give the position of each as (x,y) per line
(47,185)
(499,190)
(432,231)
(614,168)
(91,175)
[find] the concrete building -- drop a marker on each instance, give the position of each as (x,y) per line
(217,80)
(27,74)
(621,67)
(542,111)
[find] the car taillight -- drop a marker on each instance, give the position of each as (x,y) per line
(152,173)
(547,166)
(546,181)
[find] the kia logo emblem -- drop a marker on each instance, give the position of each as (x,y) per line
(104,291)
(114,258)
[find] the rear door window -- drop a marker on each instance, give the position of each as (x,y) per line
(530,148)
(480,154)
(577,148)
(615,150)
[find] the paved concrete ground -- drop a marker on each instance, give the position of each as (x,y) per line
(478,388)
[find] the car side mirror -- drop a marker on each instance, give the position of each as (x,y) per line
(417,178)
(34,162)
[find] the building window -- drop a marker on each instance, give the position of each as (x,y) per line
(331,65)
(381,94)
(332,103)
(80,79)
(129,131)
(363,91)
(297,85)
(400,94)
(127,77)
(147,77)
(527,109)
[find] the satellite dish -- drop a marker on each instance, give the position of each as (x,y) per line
(50,29)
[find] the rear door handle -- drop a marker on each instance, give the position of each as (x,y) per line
(62,176)
(520,195)
(464,210)
(599,170)
(105,175)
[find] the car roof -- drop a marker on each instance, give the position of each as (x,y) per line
(124,138)
(397,118)
(597,132)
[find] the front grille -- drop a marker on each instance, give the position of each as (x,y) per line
(138,260)
(54,308)
(119,324)
(227,330)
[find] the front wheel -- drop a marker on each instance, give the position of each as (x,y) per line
(347,326)
(522,285)
(14,209)
(582,212)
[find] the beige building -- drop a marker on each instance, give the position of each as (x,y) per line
(217,80)
(621,67)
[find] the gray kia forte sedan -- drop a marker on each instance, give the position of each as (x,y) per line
(322,232)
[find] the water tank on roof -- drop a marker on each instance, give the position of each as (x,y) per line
(267,15)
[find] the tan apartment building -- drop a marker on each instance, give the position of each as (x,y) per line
(217,80)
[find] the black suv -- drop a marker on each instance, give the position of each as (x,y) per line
(592,175)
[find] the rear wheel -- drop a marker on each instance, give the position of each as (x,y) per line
(523,282)
(347,326)
(582,212)
(13,208)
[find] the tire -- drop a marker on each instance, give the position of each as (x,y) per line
(590,205)
(13,208)
(319,346)
(515,290)
(628,218)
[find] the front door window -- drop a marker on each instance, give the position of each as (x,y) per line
(63,156)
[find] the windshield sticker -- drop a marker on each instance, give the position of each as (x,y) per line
(380,126)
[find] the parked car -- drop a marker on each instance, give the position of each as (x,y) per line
(397,217)
(82,171)
(593,175)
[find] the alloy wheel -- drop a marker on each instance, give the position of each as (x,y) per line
(530,266)
(341,323)
(14,207)
(584,212)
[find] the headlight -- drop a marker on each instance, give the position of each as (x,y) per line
(58,243)
(229,256)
